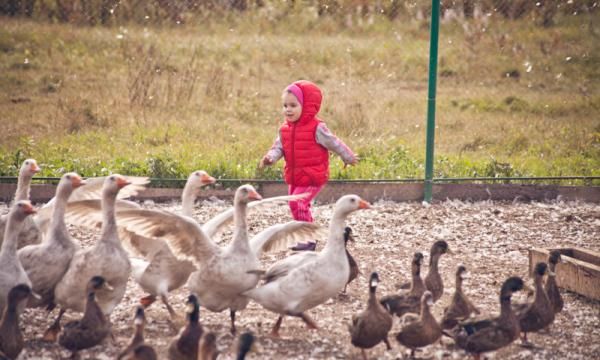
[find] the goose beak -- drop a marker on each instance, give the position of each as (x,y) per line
(207,179)
(35,168)
(362,204)
(253,195)
(29,210)
(122,182)
(76,182)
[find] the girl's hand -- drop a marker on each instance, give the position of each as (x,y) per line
(265,161)
(353,162)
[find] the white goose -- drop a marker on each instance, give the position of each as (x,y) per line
(107,259)
(223,273)
(305,280)
(46,263)
(11,270)
(30,233)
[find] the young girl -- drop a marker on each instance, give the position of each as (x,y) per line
(304,141)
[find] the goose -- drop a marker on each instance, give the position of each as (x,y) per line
(93,327)
(419,331)
(208,347)
(305,280)
(30,232)
(106,258)
(460,307)
(185,345)
(46,263)
(484,335)
(11,338)
(550,286)
(11,269)
(371,326)
(538,314)
(222,273)
(137,349)
(408,301)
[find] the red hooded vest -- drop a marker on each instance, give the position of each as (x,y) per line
(306,161)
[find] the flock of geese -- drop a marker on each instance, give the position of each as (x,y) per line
(41,266)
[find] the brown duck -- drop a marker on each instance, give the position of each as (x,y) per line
(93,327)
(11,338)
(185,345)
(480,336)
(371,326)
(538,314)
(433,280)
(460,307)
(354,271)
(137,349)
(410,300)
(422,330)
(245,345)
(550,286)
(208,347)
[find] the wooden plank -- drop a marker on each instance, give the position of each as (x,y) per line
(578,271)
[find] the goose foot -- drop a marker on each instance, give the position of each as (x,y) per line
(275,330)
(309,321)
(51,333)
(147,300)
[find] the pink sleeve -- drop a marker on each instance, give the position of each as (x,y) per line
(331,142)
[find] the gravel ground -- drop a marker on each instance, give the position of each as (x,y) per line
(490,238)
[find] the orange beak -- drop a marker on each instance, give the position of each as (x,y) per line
(207,179)
(29,209)
(254,196)
(122,182)
(364,204)
(76,182)
(35,169)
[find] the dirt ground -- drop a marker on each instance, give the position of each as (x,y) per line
(491,239)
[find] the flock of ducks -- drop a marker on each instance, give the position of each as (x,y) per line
(42,266)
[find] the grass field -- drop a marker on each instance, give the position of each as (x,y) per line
(514,99)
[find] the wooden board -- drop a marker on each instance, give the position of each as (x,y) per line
(579,270)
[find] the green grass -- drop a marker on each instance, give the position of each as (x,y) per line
(163,101)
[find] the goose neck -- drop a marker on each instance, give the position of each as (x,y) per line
(57,225)
(11,235)
(23,187)
(109,222)
(188,198)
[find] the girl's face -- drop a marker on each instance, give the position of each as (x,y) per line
(291,107)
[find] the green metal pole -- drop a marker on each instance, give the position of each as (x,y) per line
(433,56)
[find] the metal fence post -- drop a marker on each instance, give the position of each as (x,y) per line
(433,56)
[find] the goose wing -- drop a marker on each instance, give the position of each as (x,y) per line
(218,223)
(185,237)
(280,236)
(284,266)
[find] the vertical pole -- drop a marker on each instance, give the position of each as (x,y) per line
(433,56)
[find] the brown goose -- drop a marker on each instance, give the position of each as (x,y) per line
(11,338)
(185,345)
(550,286)
(30,232)
(354,270)
(371,326)
(538,314)
(460,307)
(137,349)
(420,331)
(46,263)
(480,336)
(93,327)
(410,300)
(433,280)
(208,347)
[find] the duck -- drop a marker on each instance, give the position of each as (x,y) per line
(46,263)
(354,270)
(30,232)
(11,269)
(460,308)
(106,258)
(433,279)
(93,327)
(11,338)
(185,345)
(538,314)
(245,345)
(222,274)
(137,349)
(490,334)
(208,347)
(420,331)
(302,281)
(550,286)
(408,301)
(372,325)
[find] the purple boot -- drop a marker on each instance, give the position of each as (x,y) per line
(308,246)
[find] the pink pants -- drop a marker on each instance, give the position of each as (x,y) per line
(301,208)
